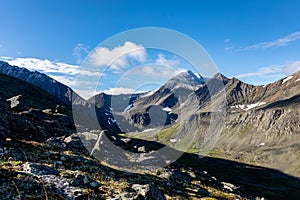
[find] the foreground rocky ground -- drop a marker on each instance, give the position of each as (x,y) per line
(61,168)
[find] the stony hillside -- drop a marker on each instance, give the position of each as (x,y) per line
(61,168)
(242,122)
(28,112)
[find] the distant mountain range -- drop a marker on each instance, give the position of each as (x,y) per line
(255,124)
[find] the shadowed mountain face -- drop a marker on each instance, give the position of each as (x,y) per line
(28,112)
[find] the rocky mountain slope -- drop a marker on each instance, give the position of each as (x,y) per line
(133,112)
(173,93)
(254,124)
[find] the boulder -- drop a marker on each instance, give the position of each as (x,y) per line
(39,169)
(148,191)
(84,181)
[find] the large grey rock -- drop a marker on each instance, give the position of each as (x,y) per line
(84,181)
(74,142)
(62,186)
(39,169)
(148,191)
(175,176)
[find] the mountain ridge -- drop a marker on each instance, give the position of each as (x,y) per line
(52,86)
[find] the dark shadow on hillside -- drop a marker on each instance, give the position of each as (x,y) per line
(255,180)
(295,100)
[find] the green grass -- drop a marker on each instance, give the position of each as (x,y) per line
(193,150)
(166,134)
(205,152)
(11,162)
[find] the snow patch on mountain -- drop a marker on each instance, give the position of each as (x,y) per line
(167,109)
(198,75)
(111,121)
(149,93)
(173,140)
(127,108)
(261,144)
(249,106)
(149,129)
(286,79)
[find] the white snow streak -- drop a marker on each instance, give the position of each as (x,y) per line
(286,79)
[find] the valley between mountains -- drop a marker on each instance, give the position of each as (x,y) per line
(233,140)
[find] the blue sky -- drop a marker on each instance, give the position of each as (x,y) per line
(257,41)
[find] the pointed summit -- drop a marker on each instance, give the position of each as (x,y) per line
(220,76)
(186,79)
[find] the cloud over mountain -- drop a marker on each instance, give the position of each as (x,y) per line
(118,57)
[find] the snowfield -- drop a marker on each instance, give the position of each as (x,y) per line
(249,106)
(286,79)
(167,109)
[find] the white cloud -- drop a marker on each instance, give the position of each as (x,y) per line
(161,60)
(79,52)
(228,48)
(6,58)
(148,75)
(291,67)
(263,71)
(63,79)
(62,72)
(228,44)
(272,73)
(47,66)
(118,57)
(86,93)
(283,41)
(157,71)
(119,90)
